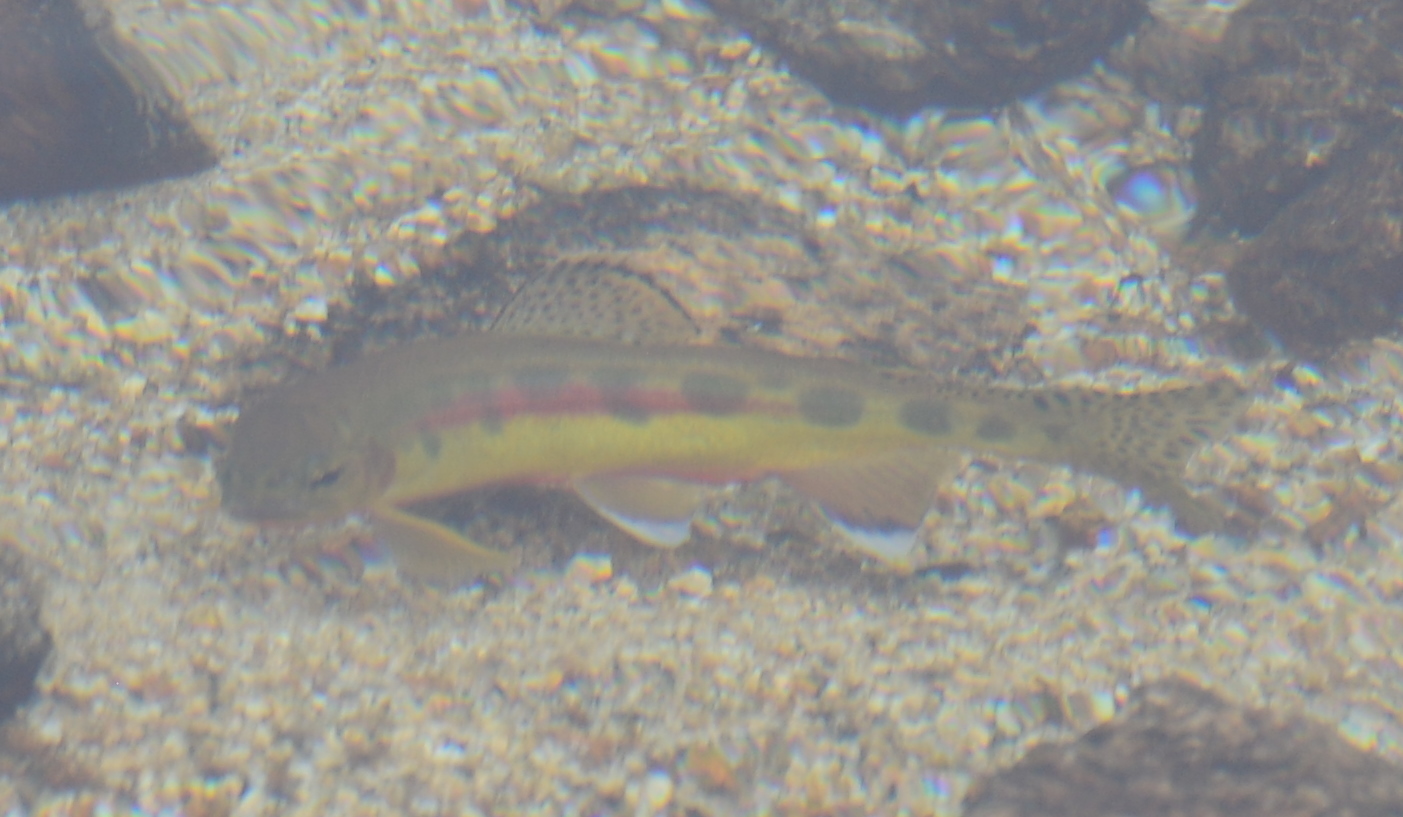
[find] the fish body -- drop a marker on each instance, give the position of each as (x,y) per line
(490,409)
(634,429)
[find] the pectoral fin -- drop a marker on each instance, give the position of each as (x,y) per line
(656,510)
(432,552)
(878,503)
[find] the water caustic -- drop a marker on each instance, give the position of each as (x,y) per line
(641,430)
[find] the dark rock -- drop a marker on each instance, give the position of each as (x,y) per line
(1179,750)
(675,233)
(80,109)
(24,643)
(1298,151)
(1329,268)
(1297,86)
(1169,62)
(898,56)
(480,271)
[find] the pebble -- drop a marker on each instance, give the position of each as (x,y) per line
(655,794)
(694,582)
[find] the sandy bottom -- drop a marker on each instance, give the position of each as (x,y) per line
(201,667)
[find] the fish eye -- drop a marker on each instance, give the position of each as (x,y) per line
(326,479)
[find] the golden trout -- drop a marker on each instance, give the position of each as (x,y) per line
(638,431)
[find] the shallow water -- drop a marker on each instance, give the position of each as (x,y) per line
(202,666)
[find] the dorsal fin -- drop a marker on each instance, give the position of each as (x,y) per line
(593,299)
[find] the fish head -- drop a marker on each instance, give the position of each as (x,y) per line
(289,463)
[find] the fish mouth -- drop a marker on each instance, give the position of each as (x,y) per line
(274,512)
(236,501)
(259,512)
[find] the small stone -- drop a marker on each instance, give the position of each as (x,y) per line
(148,328)
(694,582)
(311,310)
(656,793)
(590,568)
(711,768)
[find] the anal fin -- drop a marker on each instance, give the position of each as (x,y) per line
(878,502)
(433,552)
(655,510)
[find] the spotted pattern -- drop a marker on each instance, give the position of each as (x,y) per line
(713,393)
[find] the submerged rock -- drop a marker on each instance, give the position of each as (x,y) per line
(1298,152)
(898,56)
(1177,749)
(81,109)
(1298,86)
(24,643)
(703,247)
(1329,268)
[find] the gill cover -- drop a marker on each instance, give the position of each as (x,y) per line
(289,462)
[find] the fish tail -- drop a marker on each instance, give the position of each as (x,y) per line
(1145,440)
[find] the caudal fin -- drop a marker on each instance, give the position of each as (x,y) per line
(1145,439)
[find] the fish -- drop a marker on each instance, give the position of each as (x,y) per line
(593,380)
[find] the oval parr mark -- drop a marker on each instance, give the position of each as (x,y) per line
(713,393)
(926,416)
(617,391)
(833,406)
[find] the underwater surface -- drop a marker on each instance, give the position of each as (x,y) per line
(1066,631)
